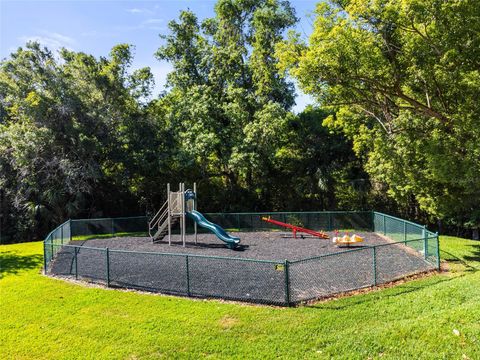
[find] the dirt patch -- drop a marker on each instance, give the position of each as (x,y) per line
(227,322)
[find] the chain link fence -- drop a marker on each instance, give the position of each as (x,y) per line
(109,227)
(324,220)
(410,249)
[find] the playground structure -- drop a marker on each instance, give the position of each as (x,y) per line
(296,229)
(269,270)
(178,206)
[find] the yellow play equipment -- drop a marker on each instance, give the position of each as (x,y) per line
(347,240)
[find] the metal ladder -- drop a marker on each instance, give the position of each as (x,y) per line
(161,221)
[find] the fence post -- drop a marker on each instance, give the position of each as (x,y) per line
(330,221)
(287,283)
(107,258)
(44,258)
(384,225)
(113,227)
(238,222)
(374,265)
(76,263)
(425,241)
(438,251)
(188,275)
(61,232)
(70,227)
(405,232)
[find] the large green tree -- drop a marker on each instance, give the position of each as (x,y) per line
(228,103)
(70,135)
(79,135)
(403,78)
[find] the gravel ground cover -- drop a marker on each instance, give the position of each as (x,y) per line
(315,268)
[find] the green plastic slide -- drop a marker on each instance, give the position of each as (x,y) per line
(198,217)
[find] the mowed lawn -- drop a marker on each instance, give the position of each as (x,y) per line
(432,318)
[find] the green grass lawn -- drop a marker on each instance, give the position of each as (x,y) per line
(44,318)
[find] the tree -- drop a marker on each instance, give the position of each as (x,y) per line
(403,79)
(80,137)
(228,104)
(69,135)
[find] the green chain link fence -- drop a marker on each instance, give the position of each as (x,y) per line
(325,220)
(399,230)
(280,282)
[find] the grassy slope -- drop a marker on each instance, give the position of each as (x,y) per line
(47,318)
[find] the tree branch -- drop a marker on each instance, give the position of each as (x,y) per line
(375,117)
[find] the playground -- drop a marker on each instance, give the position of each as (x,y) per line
(270,258)
(255,272)
(258,245)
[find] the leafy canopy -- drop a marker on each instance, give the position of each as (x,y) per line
(69,132)
(228,103)
(403,78)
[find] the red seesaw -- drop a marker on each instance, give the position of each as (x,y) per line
(296,229)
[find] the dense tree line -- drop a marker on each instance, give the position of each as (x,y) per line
(81,137)
(402,79)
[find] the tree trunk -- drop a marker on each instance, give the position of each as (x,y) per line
(475,234)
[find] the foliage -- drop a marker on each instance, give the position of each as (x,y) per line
(45,318)
(80,136)
(403,79)
(229,107)
(70,131)
(227,102)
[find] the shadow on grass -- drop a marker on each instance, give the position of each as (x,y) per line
(392,292)
(475,255)
(470,262)
(11,263)
(465,260)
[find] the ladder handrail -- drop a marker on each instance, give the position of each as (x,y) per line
(154,222)
(160,217)
(158,213)
(154,225)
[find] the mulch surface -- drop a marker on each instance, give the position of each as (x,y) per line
(135,262)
